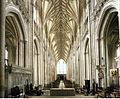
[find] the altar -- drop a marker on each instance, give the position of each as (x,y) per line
(62,92)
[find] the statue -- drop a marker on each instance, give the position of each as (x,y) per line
(61,85)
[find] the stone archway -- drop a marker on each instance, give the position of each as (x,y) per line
(15,44)
(108,45)
(112,41)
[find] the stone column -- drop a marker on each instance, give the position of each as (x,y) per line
(74,68)
(44,66)
(41,63)
(119,39)
(2,48)
(78,68)
(39,67)
(21,53)
(48,70)
(25,54)
(47,61)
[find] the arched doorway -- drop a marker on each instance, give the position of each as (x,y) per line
(112,40)
(108,49)
(14,51)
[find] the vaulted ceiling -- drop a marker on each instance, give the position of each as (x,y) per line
(61,21)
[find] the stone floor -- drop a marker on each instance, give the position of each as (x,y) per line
(47,95)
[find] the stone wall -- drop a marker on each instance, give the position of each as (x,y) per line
(88,35)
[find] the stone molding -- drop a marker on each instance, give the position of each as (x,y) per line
(98,7)
(21,5)
(21,70)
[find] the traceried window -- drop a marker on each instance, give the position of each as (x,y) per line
(61,67)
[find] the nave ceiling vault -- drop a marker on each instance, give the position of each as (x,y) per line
(60,18)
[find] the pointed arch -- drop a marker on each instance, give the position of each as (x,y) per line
(106,33)
(14,12)
(15,40)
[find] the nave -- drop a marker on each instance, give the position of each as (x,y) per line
(65,47)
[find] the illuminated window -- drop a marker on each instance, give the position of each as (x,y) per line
(61,67)
(6,55)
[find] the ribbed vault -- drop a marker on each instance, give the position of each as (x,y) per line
(60,19)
